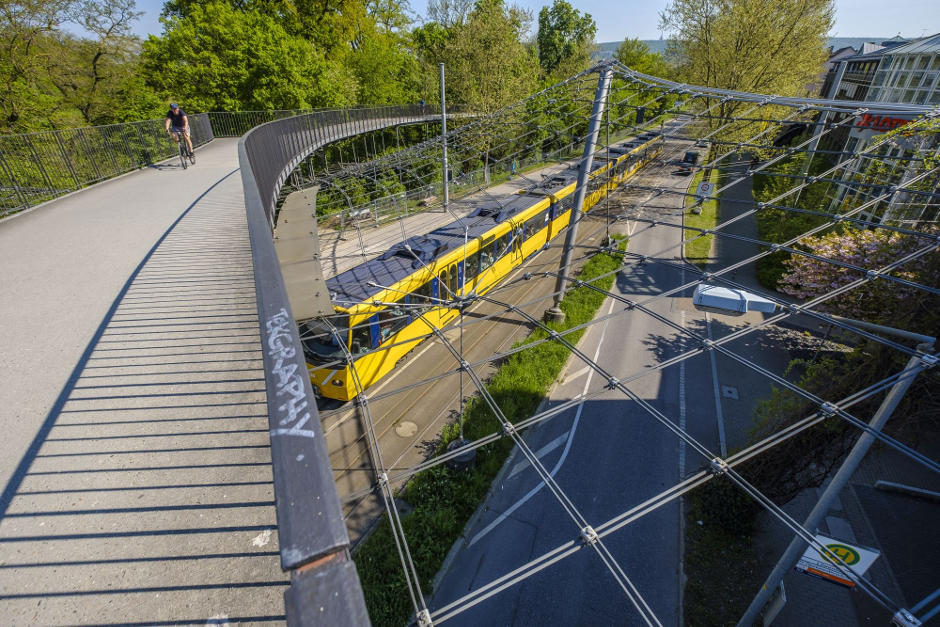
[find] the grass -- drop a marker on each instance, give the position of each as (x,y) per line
(444,500)
(698,251)
(720,559)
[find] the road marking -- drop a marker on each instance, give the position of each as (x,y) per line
(564,454)
(682,404)
(579,373)
(721,420)
(542,452)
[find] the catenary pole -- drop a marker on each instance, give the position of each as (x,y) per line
(797,547)
(600,102)
(444,139)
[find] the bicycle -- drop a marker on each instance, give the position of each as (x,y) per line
(181,144)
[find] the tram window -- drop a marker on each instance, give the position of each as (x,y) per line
(391,321)
(487,256)
(472,267)
(442,284)
(423,295)
(502,244)
(361,339)
(453,279)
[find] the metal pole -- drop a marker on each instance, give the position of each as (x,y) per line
(793,553)
(600,101)
(444,139)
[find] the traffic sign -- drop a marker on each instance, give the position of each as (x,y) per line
(705,189)
(815,564)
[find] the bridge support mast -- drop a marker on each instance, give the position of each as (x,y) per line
(555,314)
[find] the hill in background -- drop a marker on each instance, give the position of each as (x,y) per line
(607,48)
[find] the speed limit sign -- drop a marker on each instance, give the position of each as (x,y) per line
(705,189)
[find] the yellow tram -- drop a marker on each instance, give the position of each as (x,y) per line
(413,279)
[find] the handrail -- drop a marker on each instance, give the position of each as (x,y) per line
(38,167)
(43,165)
(311,530)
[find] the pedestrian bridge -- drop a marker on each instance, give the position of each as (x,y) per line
(138,452)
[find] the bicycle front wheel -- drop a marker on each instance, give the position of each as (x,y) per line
(183,155)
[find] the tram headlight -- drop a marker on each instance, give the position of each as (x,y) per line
(338,383)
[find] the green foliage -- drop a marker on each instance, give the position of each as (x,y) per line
(488,66)
(748,45)
(636,55)
(221,59)
(698,251)
(444,500)
(720,561)
(565,37)
(52,79)
(779,225)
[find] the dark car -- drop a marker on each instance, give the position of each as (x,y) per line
(689,161)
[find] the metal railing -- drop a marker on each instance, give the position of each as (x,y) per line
(314,545)
(37,167)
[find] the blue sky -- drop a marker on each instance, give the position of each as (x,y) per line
(617,19)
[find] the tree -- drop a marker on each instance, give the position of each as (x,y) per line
(385,66)
(488,65)
(762,46)
(636,55)
(565,37)
(222,59)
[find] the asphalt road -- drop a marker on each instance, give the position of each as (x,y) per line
(608,455)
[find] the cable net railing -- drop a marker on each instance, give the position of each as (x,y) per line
(845,240)
(38,167)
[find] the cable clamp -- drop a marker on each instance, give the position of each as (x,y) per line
(642,260)
(589,535)
(612,383)
(811,179)
(509,429)
(363,399)
(775,247)
(719,466)
(383,479)
(903,618)
(554,335)
(794,309)
(706,276)
(630,305)
(464,365)
(761,205)
(829,409)
(708,344)
(872,274)
(527,276)
(929,360)
(579,283)
(424,619)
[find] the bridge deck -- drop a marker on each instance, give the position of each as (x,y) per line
(136,457)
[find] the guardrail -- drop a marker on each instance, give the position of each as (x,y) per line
(37,167)
(325,588)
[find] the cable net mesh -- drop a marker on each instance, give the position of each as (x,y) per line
(823,213)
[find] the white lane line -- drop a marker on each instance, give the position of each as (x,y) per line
(721,420)
(564,454)
(542,452)
(682,405)
(579,373)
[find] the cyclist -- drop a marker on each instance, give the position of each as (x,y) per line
(177,117)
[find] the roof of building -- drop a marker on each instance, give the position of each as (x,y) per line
(869,46)
(918,46)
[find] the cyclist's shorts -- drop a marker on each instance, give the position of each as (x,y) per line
(180,129)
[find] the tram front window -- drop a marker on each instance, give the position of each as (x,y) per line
(320,344)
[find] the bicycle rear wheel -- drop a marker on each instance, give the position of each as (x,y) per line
(182,147)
